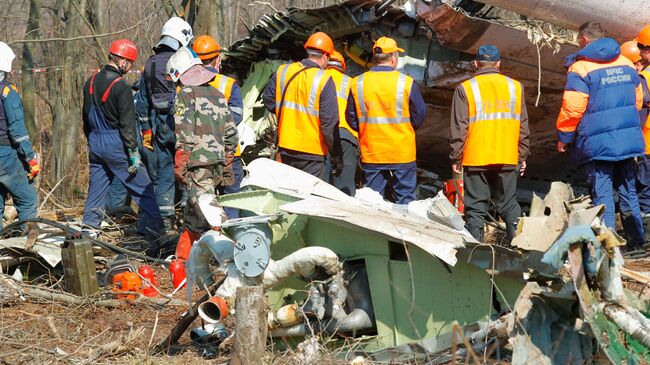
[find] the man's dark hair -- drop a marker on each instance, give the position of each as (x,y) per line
(483,64)
(591,30)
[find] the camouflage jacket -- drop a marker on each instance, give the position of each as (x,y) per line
(204,125)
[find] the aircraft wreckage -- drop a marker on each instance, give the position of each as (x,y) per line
(407,282)
(440,38)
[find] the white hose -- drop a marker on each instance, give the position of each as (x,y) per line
(211,244)
(302,262)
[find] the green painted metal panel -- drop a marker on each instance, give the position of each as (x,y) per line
(256,201)
(442,294)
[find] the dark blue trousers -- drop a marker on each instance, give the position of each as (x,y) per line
(606,176)
(238,170)
(160,164)
(108,161)
(404,180)
(643,184)
(14,182)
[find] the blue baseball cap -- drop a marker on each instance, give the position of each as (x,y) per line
(488,52)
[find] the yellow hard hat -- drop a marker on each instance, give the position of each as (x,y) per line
(385,45)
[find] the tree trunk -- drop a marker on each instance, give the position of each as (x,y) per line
(28,85)
(67,90)
(251,329)
(206,19)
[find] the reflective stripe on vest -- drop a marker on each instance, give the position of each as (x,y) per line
(342,83)
(299,124)
(224,85)
(646,127)
(494,103)
(385,131)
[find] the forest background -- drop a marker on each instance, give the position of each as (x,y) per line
(60,43)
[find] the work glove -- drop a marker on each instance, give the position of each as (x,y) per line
(181,160)
(34,169)
(337,165)
(228,175)
(146,139)
(134,161)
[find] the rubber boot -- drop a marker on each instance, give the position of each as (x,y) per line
(646,231)
(153,248)
(632,234)
(185,241)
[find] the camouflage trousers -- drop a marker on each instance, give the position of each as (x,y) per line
(200,180)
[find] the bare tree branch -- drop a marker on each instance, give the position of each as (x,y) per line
(85,36)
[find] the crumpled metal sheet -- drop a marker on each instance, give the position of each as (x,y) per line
(322,200)
(48,248)
(436,239)
(541,333)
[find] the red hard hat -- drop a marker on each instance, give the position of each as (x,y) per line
(124,48)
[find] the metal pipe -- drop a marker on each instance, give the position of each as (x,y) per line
(379,10)
(620,19)
(299,330)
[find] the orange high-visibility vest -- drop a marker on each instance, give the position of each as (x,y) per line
(646,126)
(494,102)
(385,131)
(299,122)
(224,84)
(342,83)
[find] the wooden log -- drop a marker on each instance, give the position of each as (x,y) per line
(251,328)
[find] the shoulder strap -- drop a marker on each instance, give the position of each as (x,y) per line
(286,87)
(108,89)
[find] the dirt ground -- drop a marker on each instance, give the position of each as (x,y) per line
(45,332)
(37,331)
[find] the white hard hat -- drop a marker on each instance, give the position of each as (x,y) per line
(178,29)
(181,61)
(6,57)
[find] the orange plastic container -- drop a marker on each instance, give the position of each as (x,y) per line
(127,281)
(147,272)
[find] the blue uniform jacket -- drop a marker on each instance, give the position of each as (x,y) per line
(16,130)
(600,110)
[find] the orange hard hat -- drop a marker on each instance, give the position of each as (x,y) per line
(206,47)
(337,60)
(320,42)
(644,36)
(630,50)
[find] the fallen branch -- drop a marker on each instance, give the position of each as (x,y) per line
(38,293)
(184,322)
(20,289)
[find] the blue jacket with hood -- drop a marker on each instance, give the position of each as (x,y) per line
(602,97)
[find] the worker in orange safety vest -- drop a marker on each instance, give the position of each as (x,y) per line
(209,52)
(386,107)
(346,181)
(489,141)
(303,97)
(638,51)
